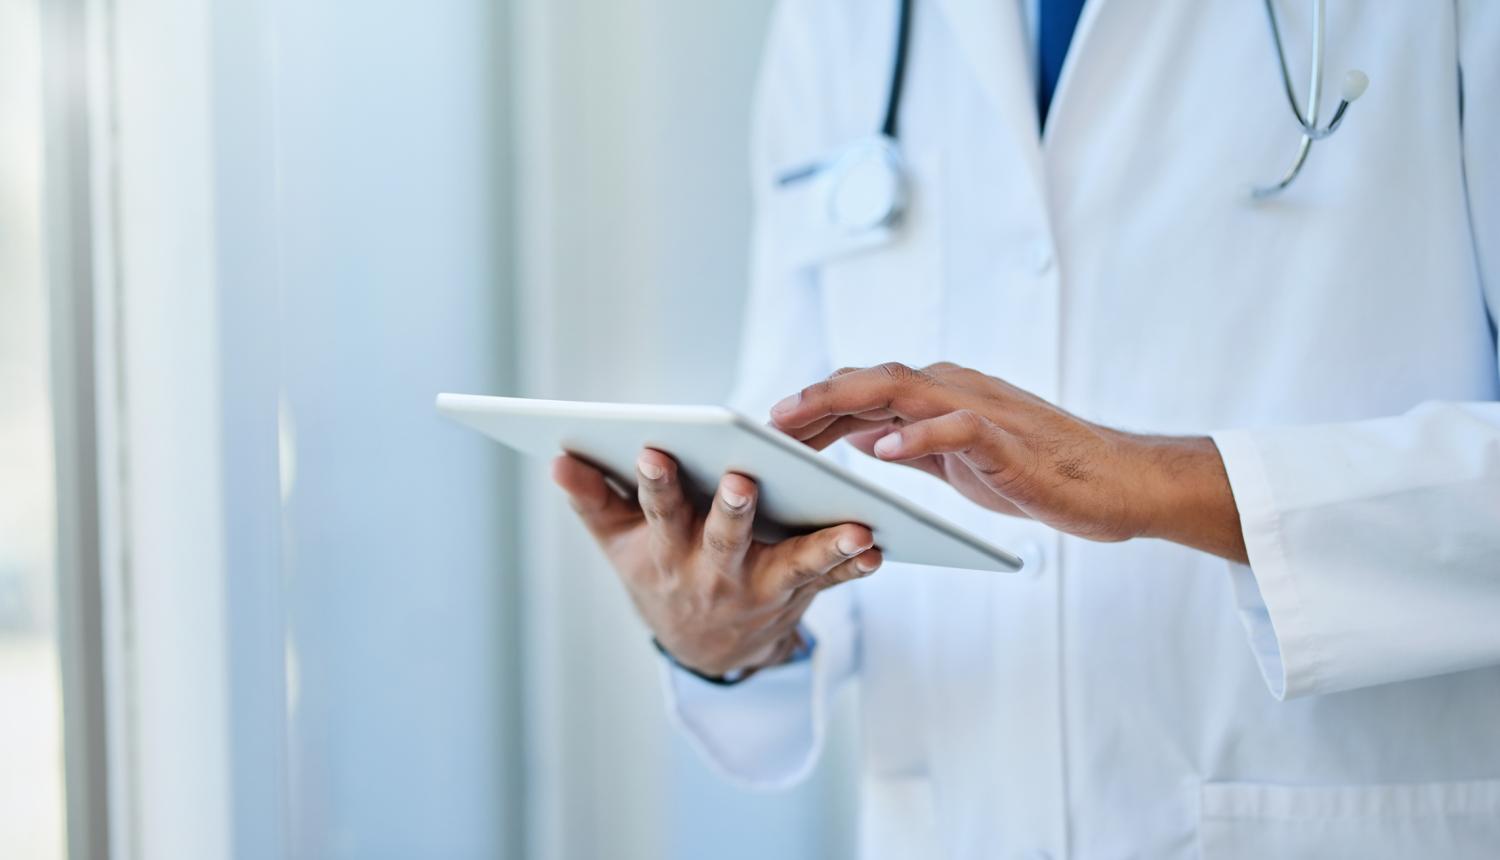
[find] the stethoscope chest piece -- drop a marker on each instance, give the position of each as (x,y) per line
(867,187)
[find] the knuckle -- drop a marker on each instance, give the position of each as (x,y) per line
(800,571)
(719,543)
(843,371)
(656,511)
(897,372)
(970,375)
(972,422)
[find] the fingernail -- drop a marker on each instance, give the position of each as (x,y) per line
(734,500)
(866,565)
(651,471)
(888,444)
(847,546)
(786,403)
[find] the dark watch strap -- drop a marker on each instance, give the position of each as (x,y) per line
(805,644)
(738,676)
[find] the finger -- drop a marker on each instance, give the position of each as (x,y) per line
(894,387)
(801,560)
(847,425)
(817,427)
(997,457)
(603,511)
(662,501)
(858,567)
(932,465)
(807,431)
(864,442)
(726,532)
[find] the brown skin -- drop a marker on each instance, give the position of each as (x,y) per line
(715,598)
(1015,453)
(720,601)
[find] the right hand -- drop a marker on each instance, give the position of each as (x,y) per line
(716,599)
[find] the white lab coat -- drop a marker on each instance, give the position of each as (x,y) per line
(1339,697)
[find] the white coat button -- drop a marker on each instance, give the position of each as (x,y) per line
(1031,552)
(1042,258)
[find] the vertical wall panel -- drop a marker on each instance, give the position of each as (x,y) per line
(393,546)
(169,428)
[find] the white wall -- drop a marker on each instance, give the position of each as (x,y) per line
(318,202)
(390,155)
(633,212)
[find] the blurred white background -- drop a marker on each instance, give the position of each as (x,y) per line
(332,625)
(31,762)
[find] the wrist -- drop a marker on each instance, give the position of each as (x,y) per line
(1186,497)
(1165,466)
(727,678)
(794,647)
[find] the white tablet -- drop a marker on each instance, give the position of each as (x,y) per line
(800,490)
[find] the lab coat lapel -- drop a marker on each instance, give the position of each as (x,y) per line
(991,35)
(1078,55)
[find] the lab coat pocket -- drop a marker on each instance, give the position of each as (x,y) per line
(884,303)
(898,820)
(1453,820)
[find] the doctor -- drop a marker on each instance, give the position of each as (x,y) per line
(1249,446)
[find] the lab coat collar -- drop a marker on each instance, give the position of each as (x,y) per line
(992,36)
(995,41)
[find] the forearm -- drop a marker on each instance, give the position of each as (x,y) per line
(1015,453)
(1186,495)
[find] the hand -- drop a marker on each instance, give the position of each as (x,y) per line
(716,599)
(1013,452)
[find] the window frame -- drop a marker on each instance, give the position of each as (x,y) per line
(70,60)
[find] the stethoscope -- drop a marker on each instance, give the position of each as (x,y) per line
(1354,86)
(864,187)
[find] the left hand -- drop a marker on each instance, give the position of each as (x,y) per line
(1015,453)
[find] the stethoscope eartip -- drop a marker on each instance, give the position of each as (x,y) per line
(1355,83)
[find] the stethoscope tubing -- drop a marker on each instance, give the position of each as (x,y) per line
(890,125)
(1307,118)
